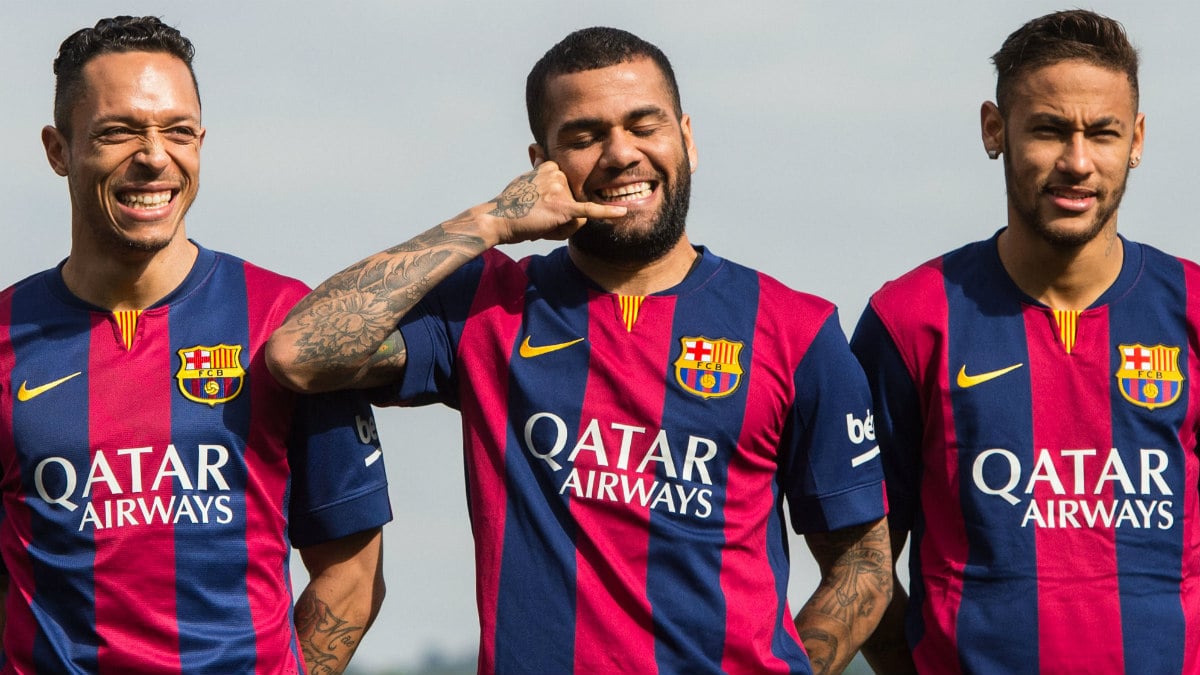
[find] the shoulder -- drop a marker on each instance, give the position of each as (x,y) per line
(38,290)
(23,283)
(1158,257)
(790,321)
(925,278)
(775,298)
(262,282)
(920,295)
(775,291)
(1164,270)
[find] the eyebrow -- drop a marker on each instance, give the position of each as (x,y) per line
(1058,120)
(133,121)
(586,123)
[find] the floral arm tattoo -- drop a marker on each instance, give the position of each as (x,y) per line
(350,320)
(855,588)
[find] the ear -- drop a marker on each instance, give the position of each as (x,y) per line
(1139,136)
(56,149)
(991,127)
(685,123)
(536,154)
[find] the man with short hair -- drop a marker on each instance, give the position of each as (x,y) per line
(636,410)
(152,472)
(1033,398)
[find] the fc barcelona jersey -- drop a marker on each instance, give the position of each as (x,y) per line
(154,476)
(1045,462)
(629,459)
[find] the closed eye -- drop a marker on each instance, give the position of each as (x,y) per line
(181,134)
(116,134)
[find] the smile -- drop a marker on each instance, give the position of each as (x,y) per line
(627,193)
(145,200)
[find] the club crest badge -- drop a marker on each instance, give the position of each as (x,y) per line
(211,375)
(1149,376)
(709,368)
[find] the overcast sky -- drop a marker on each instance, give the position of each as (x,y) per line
(839,147)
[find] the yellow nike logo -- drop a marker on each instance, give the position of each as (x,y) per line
(528,351)
(967,381)
(24,394)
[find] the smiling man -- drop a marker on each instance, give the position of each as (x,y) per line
(153,473)
(1033,398)
(637,411)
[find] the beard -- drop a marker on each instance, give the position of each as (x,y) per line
(1027,211)
(602,240)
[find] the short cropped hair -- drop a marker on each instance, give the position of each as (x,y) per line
(589,49)
(114,35)
(1062,36)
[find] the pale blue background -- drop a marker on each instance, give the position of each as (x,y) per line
(839,147)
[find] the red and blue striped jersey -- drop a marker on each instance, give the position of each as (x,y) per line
(154,477)
(1045,462)
(628,460)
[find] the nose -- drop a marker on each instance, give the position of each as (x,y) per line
(620,150)
(153,153)
(1076,158)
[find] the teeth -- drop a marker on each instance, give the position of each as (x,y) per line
(627,192)
(145,200)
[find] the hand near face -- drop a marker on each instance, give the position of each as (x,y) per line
(539,205)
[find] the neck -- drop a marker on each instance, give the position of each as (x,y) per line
(638,278)
(135,280)
(1062,278)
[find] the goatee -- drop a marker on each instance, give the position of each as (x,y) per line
(601,239)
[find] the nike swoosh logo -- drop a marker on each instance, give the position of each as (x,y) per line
(528,351)
(967,381)
(24,394)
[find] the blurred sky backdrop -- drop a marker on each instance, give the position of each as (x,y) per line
(839,147)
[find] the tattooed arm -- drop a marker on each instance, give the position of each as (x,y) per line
(333,338)
(855,587)
(887,649)
(343,596)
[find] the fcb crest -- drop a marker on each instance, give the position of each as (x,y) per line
(1149,376)
(210,375)
(709,368)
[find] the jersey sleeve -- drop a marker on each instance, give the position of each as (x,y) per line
(431,332)
(897,415)
(338,481)
(831,471)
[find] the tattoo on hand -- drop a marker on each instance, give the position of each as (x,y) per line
(325,638)
(518,198)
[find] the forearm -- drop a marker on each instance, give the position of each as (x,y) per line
(341,601)
(887,649)
(855,589)
(332,338)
